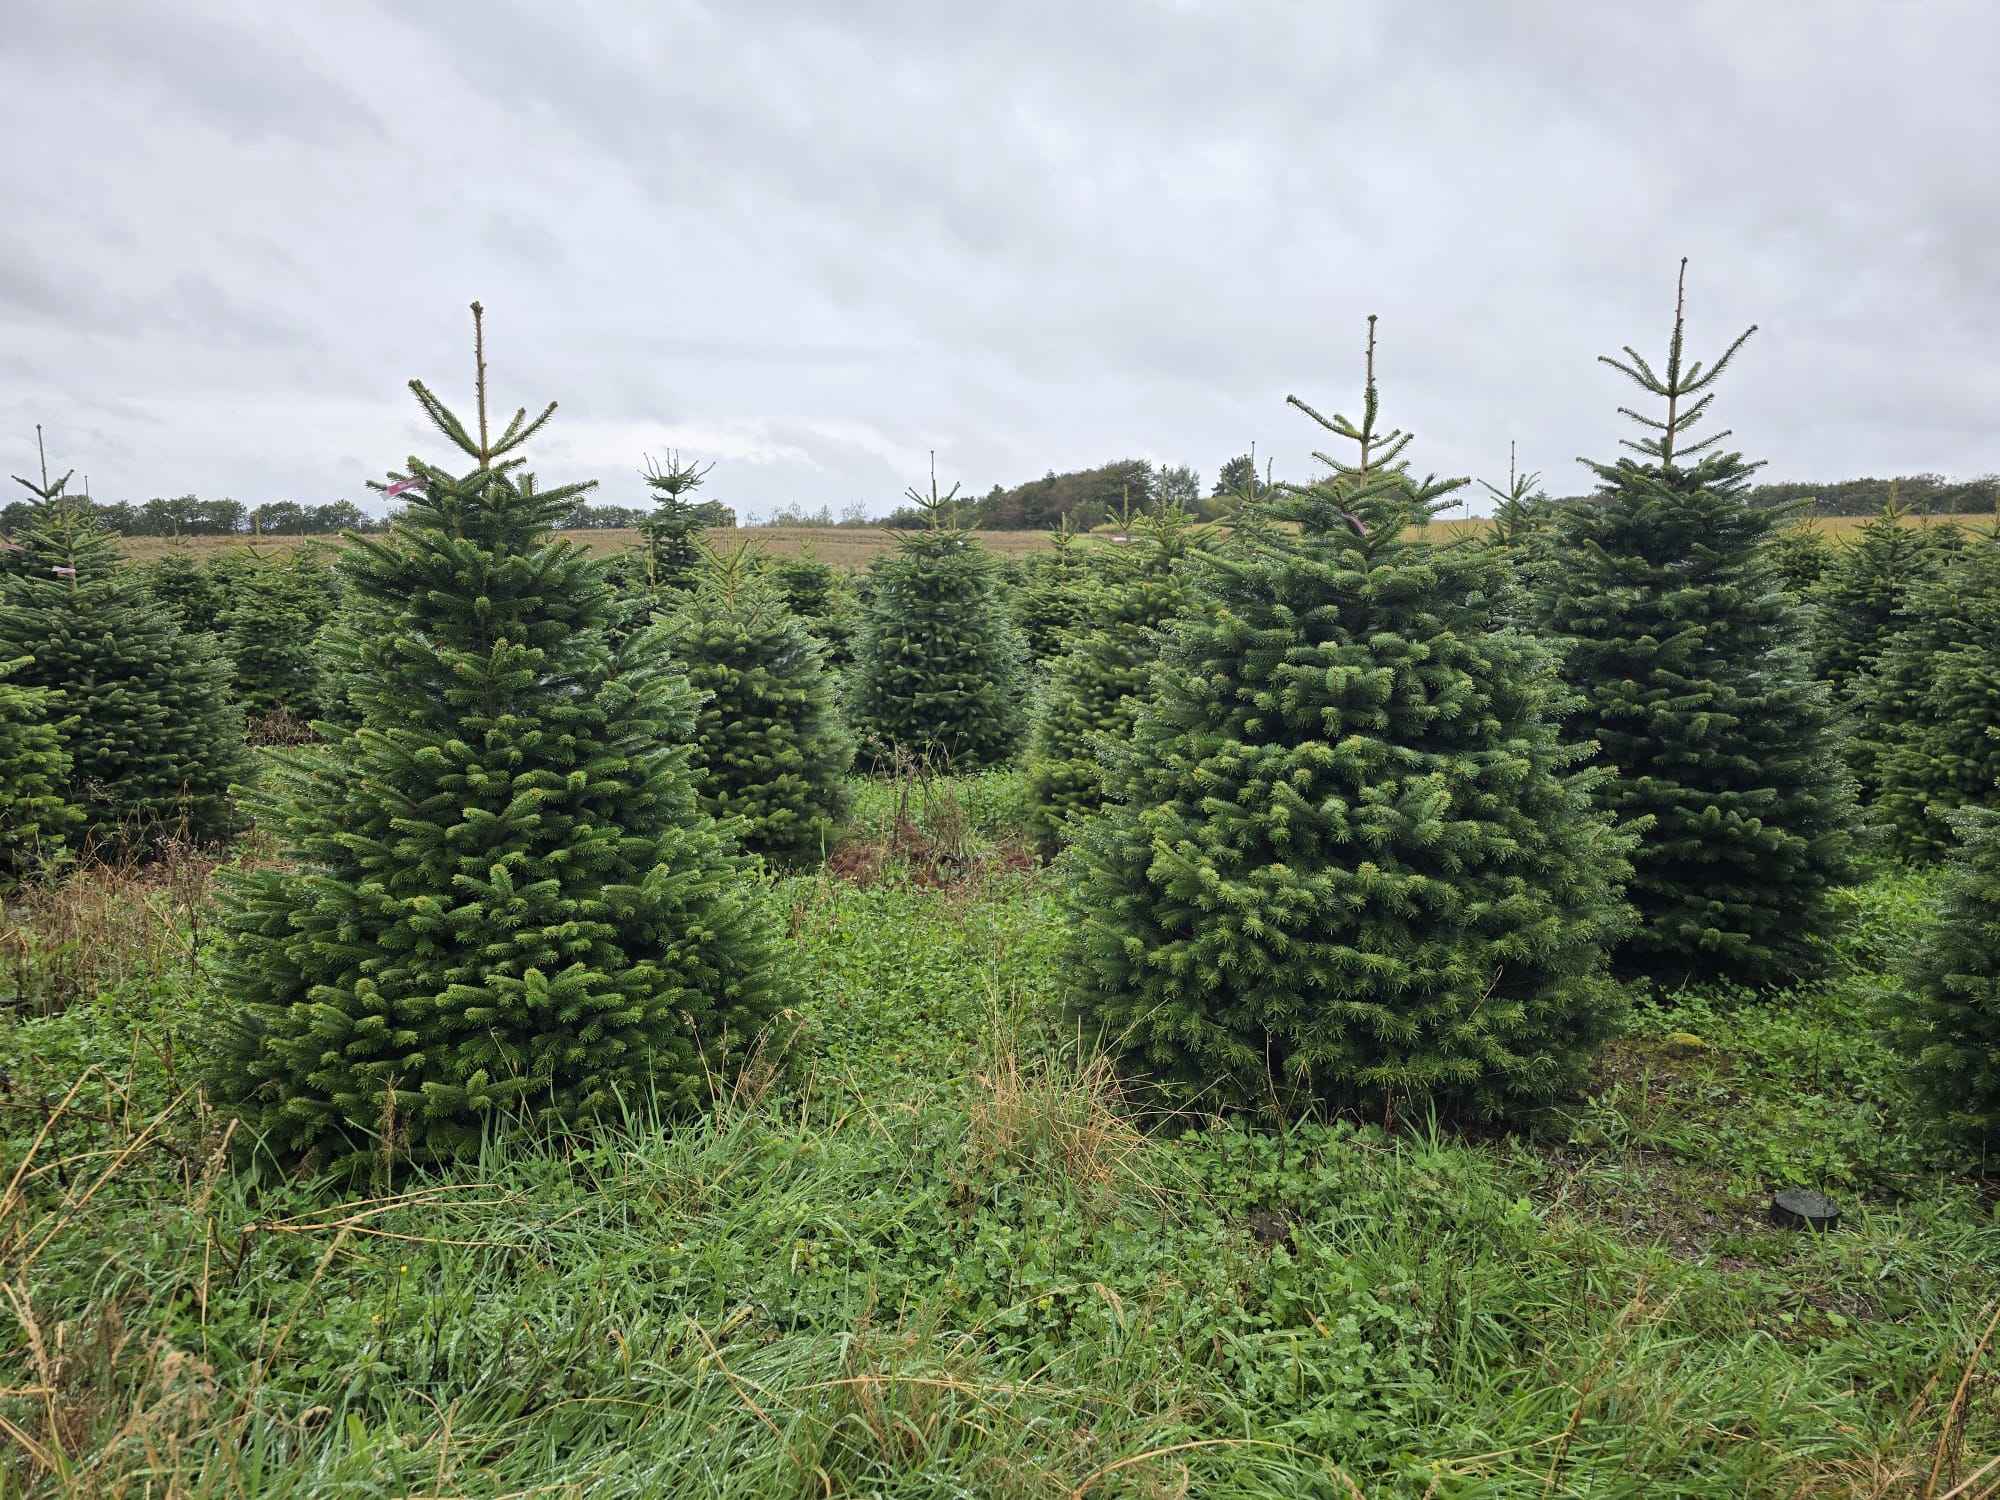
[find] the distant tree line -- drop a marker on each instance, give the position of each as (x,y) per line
(633,517)
(1918,494)
(189,515)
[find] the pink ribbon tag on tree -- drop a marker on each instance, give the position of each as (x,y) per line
(64,572)
(400,485)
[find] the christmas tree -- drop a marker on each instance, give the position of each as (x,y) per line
(1345,856)
(769,743)
(1522,531)
(1689,656)
(1800,556)
(822,598)
(34,817)
(1094,689)
(1047,603)
(499,893)
(270,620)
(152,738)
(1926,713)
(188,588)
(1950,1025)
(1861,591)
(670,539)
(938,665)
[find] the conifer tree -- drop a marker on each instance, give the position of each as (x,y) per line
(271,619)
(188,588)
(1858,596)
(1690,659)
(938,664)
(151,736)
(670,539)
(1926,714)
(1800,556)
(34,816)
(1047,603)
(769,743)
(1949,1025)
(1346,856)
(822,598)
(499,892)
(1094,689)
(1522,531)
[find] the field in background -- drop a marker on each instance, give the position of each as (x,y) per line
(853,548)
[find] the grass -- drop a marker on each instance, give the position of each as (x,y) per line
(936,1253)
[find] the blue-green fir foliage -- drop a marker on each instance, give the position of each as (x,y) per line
(1094,689)
(34,816)
(498,891)
(272,612)
(152,738)
(1346,857)
(769,743)
(1949,1024)
(1926,714)
(939,666)
(1689,656)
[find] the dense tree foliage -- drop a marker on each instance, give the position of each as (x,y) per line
(770,747)
(1346,856)
(1046,599)
(1689,657)
(1095,687)
(939,668)
(498,893)
(35,816)
(823,598)
(1800,557)
(270,622)
(1925,714)
(152,739)
(1950,1024)
(1860,592)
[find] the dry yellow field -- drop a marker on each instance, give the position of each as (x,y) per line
(853,548)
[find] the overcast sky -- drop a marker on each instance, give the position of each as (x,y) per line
(812,241)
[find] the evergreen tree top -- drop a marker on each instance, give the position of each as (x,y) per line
(459,502)
(944,527)
(1372,498)
(1686,388)
(45,491)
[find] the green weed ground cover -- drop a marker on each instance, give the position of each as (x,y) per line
(936,1248)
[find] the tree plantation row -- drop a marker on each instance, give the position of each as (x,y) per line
(1348,815)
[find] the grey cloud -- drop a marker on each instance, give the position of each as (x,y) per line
(1031,236)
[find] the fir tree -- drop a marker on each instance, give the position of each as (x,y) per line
(1926,713)
(1690,659)
(1950,1026)
(188,588)
(1095,688)
(1047,603)
(34,817)
(670,539)
(1858,596)
(151,736)
(270,629)
(938,664)
(769,743)
(1800,557)
(499,891)
(1346,856)
(822,598)
(1522,531)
